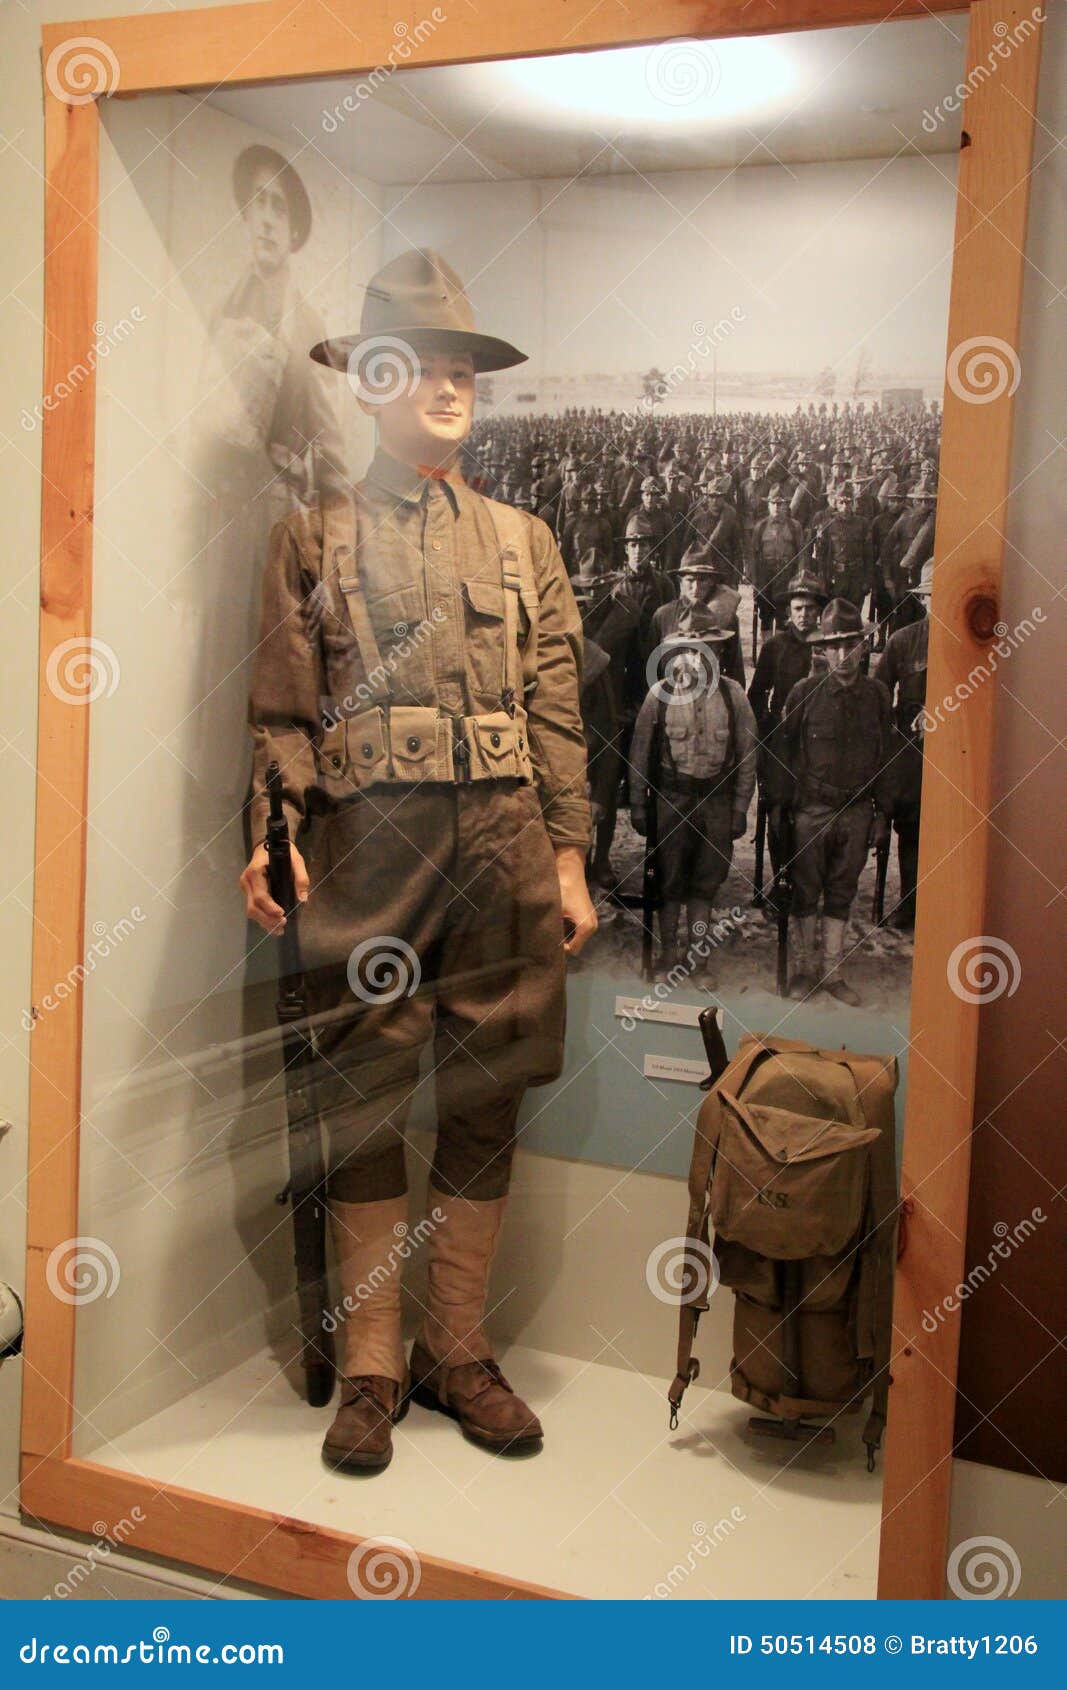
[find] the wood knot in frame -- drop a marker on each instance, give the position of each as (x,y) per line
(982,616)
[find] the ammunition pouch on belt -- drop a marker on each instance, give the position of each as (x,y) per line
(405,745)
(393,744)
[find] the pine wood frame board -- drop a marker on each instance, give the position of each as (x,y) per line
(277,41)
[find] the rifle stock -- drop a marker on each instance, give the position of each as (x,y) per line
(307,1172)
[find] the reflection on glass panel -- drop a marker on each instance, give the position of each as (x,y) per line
(514,532)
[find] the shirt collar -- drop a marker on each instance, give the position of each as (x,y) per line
(405,484)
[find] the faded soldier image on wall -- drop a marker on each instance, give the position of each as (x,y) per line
(539,532)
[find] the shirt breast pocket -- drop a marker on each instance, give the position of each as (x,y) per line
(483,608)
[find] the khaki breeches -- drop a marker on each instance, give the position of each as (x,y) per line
(433,915)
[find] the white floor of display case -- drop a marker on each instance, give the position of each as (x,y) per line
(616,1505)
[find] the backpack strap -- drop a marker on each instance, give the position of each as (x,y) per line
(516,564)
(698,1242)
(876,1083)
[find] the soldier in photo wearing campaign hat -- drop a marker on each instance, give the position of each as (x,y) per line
(837,732)
(701,589)
(902,671)
(843,556)
(610,618)
(589,530)
(417,681)
(713,520)
(784,659)
(694,756)
(779,549)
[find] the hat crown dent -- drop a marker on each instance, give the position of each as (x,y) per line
(419,298)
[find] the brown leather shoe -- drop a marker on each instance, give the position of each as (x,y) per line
(361,1436)
(477,1395)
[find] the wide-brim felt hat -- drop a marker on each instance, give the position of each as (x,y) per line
(803,585)
(711,634)
(258,157)
(638,527)
(841,620)
(924,586)
(419,299)
(698,560)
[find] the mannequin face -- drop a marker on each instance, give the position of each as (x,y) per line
(431,416)
(267,217)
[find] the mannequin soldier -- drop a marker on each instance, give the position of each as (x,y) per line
(701,781)
(784,660)
(837,732)
(701,588)
(442,817)
(902,671)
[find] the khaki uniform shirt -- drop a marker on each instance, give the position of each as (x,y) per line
(429,564)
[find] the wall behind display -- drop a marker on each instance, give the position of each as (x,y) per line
(614,273)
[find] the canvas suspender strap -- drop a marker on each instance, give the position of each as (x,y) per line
(340,558)
(516,566)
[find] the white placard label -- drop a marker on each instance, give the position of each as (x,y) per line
(675,1068)
(644,1009)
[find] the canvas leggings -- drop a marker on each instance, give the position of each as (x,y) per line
(434,919)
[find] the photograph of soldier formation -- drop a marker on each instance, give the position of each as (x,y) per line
(753,591)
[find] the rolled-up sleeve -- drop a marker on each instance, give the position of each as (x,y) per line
(557,740)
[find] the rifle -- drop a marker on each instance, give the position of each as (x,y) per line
(649,876)
(782,898)
(880,872)
(758,900)
(307,1172)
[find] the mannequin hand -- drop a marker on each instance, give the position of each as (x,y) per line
(259,905)
(577,905)
(639,821)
